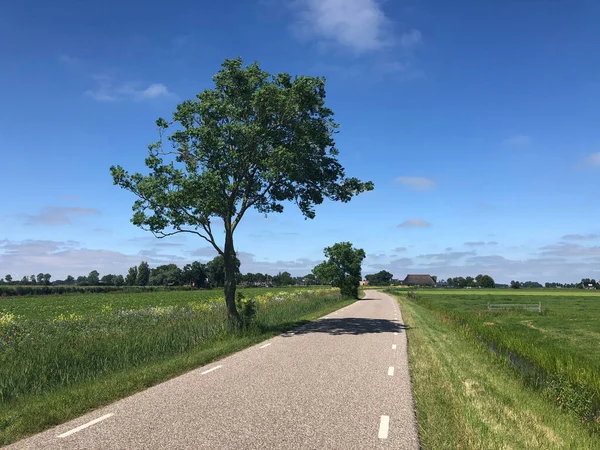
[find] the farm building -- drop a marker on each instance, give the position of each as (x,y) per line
(418,280)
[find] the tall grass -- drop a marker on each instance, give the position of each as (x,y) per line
(38,355)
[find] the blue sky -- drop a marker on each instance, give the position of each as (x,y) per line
(477,122)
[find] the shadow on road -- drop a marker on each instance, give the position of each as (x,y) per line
(351,325)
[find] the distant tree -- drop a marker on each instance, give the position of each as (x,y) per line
(32,279)
(143,274)
(108,280)
(381,278)
(40,278)
(343,268)
(166,275)
(69,279)
(515,284)
(254,141)
(131,277)
(82,281)
(24,280)
(119,280)
(531,285)
(194,274)
(310,279)
(283,279)
(434,278)
(93,278)
(215,270)
(8,278)
(485,281)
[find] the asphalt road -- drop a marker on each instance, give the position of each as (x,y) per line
(341,382)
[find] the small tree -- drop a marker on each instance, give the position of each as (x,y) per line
(8,278)
(143,274)
(342,269)
(131,277)
(194,274)
(93,278)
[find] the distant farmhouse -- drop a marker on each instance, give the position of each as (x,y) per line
(418,280)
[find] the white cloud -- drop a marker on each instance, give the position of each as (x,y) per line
(109,90)
(414,223)
(358,25)
(416,183)
(58,215)
(580,237)
(593,159)
(519,140)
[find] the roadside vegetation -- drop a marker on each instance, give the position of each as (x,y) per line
(511,379)
(60,357)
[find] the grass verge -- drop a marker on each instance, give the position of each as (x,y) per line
(467,398)
(28,414)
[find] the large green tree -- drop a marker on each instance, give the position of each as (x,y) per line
(342,268)
(254,141)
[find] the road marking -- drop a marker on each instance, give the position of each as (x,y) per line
(84,426)
(210,370)
(263,346)
(391,371)
(384,427)
(395,334)
(393,346)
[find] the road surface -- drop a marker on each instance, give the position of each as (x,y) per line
(341,382)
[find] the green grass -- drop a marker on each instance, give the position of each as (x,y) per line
(468,398)
(43,307)
(58,361)
(557,351)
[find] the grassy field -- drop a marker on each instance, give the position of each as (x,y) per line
(63,355)
(484,374)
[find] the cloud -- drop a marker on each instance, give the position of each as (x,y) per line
(400,249)
(109,90)
(358,25)
(448,256)
(208,252)
(70,61)
(411,39)
(416,183)
(297,267)
(480,243)
(58,215)
(580,237)
(414,223)
(568,249)
(593,159)
(62,258)
(520,140)
(71,198)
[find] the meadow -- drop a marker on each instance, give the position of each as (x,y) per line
(554,356)
(63,355)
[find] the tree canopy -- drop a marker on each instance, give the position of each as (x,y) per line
(342,268)
(254,141)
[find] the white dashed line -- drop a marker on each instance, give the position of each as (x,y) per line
(210,370)
(263,346)
(391,371)
(84,426)
(393,346)
(384,427)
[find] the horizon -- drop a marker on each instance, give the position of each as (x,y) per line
(477,124)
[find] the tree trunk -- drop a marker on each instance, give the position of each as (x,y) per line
(230,281)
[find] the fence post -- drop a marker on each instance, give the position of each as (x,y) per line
(540,307)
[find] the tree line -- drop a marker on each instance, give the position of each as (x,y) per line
(195,274)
